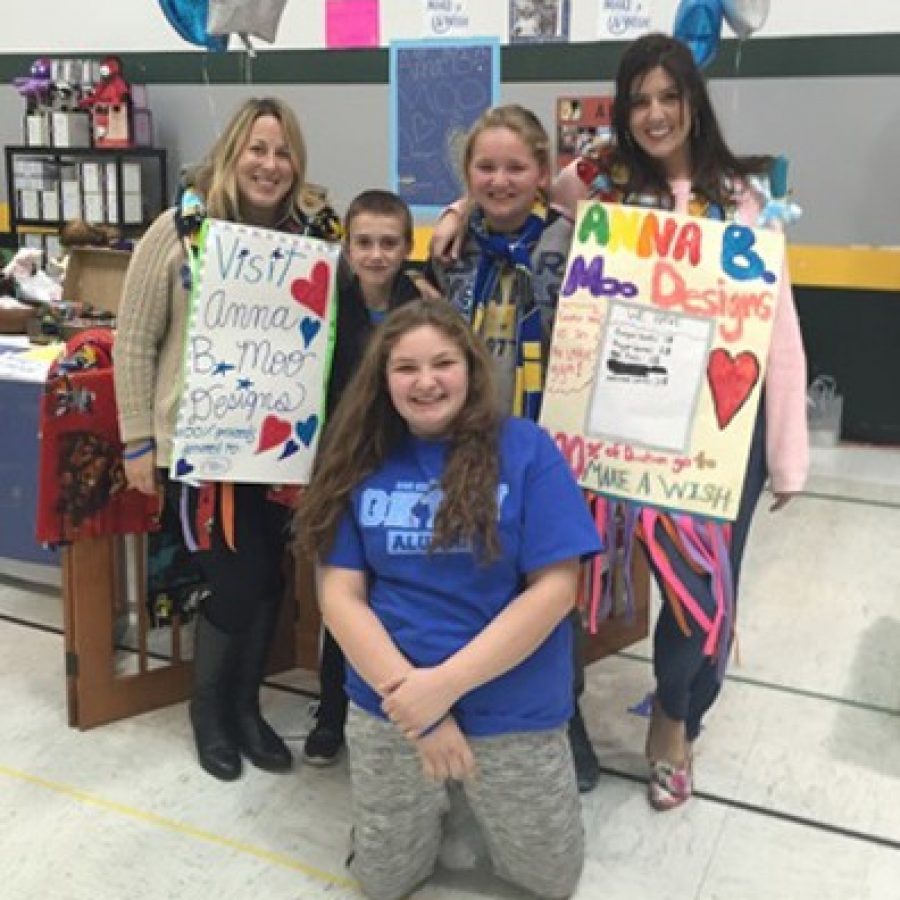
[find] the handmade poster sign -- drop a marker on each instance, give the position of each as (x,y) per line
(438,90)
(257,355)
(659,355)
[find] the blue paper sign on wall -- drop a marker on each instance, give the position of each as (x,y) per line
(438,90)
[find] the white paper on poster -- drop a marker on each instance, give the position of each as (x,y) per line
(445,18)
(623,19)
(256,356)
(636,399)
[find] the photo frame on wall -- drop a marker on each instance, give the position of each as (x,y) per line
(438,91)
(581,122)
(538,21)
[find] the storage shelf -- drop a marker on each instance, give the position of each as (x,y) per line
(124,187)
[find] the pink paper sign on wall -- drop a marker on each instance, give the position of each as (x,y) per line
(352,23)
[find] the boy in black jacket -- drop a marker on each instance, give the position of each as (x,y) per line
(378,231)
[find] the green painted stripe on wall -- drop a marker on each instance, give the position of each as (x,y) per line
(833,56)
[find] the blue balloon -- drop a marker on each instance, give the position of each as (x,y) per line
(698,23)
(188,18)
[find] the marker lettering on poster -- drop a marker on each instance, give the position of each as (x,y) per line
(646,234)
(669,290)
(236,261)
(256,351)
(658,314)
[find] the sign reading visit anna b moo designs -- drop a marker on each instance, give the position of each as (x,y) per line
(659,353)
(257,356)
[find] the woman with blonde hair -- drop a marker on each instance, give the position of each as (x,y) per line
(254,175)
(449,537)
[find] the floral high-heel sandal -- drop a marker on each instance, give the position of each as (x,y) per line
(669,785)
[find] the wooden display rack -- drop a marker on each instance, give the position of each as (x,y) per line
(99,574)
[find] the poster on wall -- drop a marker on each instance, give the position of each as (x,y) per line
(445,18)
(659,354)
(438,91)
(538,21)
(257,355)
(352,23)
(580,123)
(624,19)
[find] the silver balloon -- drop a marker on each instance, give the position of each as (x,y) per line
(245,17)
(745,17)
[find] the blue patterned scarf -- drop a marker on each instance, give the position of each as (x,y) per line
(513,252)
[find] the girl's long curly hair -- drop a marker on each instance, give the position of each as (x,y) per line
(715,170)
(366,428)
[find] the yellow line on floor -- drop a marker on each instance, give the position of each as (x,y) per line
(278,859)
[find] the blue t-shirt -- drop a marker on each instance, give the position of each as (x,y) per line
(433,604)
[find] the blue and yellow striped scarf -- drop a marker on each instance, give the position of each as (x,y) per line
(512,253)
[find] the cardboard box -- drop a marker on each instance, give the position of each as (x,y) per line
(95,276)
(71,129)
(71,200)
(112,192)
(131,177)
(142,124)
(132,209)
(90,177)
(29,204)
(37,129)
(94,207)
(139,98)
(50,204)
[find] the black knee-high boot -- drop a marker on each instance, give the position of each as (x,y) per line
(256,738)
(214,660)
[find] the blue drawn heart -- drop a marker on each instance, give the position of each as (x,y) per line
(309,328)
(306,430)
(183,468)
(289,449)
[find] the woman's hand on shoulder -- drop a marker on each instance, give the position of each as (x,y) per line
(445,753)
(418,699)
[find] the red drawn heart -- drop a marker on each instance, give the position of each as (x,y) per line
(731,380)
(312,292)
(274,431)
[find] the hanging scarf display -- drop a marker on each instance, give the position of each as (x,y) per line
(510,255)
(82,490)
(702,544)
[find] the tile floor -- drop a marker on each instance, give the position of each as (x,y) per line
(798,774)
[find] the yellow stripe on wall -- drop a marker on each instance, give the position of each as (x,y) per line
(858,268)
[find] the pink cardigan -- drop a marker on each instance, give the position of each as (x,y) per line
(787,440)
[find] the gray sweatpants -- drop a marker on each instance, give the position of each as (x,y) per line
(524,797)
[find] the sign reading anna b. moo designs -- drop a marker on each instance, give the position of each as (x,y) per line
(659,353)
(257,355)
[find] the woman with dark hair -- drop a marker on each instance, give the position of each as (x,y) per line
(254,174)
(668,152)
(449,538)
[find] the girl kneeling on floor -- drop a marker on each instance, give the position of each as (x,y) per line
(449,537)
